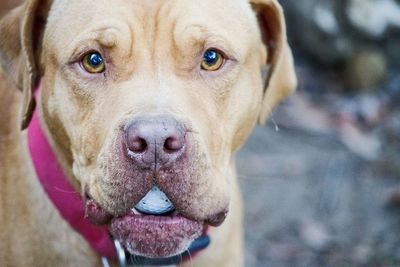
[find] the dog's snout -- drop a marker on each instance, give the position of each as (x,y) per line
(154,141)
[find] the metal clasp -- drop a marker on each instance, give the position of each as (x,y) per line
(121,256)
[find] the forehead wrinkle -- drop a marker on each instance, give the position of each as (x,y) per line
(90,17)
(103,37)
(197,38)
(153,25)
(106,37)
(202,26)
(192,37)
(163,23)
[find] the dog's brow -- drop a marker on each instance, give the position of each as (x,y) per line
(199,35)
(104,36)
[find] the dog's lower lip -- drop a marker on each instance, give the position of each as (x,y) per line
(155,236)
(148,235)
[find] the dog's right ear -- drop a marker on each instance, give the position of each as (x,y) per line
(281,78)
(21,34)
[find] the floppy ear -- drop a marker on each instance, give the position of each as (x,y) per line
(20,44)
(281,78)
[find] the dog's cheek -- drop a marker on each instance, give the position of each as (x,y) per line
(197,188)
(88,139)
(243,129)
(245,103)
(114,182)
(53,114)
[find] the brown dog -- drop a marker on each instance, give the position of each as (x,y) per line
(7,5)
(135,96)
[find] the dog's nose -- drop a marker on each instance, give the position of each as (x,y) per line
(155,141)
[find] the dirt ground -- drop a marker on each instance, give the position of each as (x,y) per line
(310,201)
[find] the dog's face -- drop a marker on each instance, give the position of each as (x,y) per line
(138,95)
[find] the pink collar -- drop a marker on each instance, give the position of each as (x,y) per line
(64,197)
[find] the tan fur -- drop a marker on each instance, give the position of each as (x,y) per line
(7,5)
(153,50)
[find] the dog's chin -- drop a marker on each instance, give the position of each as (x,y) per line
(155,236)
(148,235)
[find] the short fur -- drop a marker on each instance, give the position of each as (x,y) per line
(153,51)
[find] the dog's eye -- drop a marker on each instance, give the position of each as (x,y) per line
(212,60)
(93,62)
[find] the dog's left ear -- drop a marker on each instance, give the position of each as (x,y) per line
(21,32)
(281,78)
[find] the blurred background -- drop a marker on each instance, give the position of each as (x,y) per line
(321,182)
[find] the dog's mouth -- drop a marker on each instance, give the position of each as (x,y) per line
(155,236)
(152,228)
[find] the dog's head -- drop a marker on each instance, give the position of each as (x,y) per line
(147,101)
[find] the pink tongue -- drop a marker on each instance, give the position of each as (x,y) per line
(155,236)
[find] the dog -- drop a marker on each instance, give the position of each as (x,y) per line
(131,113)
(7,5)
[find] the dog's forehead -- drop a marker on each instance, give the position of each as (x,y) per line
(230,17)
(207,8)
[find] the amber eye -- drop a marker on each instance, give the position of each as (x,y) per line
(212,60)
(93,62)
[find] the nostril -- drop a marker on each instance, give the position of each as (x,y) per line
(173,144)
(153,142)
(137,144)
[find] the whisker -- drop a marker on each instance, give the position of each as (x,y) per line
(275,124)
(132,258)
(192,131)
(64,191)
(190,257)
